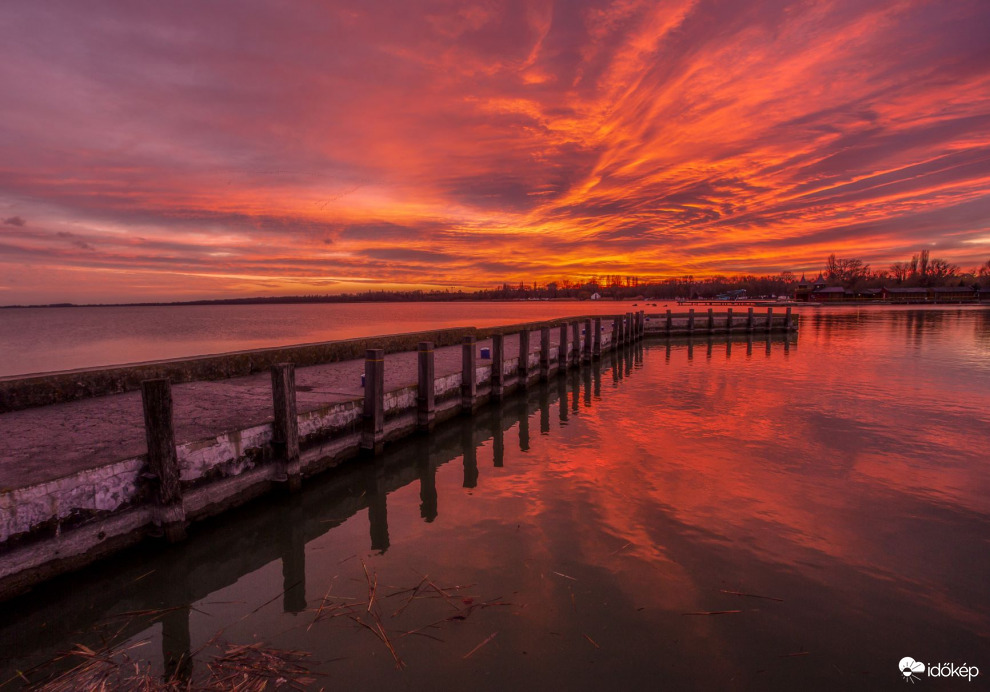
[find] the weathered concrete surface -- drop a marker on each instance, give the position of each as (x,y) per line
(47,443)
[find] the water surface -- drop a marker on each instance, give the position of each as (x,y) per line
(786,514)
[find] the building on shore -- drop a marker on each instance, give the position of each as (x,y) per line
(815,292)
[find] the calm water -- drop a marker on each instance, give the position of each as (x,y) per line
(785,515)
(36,340)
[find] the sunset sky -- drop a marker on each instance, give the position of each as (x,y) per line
(179,150)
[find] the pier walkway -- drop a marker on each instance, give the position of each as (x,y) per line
(46,443)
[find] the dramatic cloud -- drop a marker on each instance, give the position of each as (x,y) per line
(182,149)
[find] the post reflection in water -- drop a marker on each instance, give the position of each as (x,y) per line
(498,438)
(586,379)
(374,475)
(820,511)
(470,454)
(292,547)
(562,397)
(522,408)
(544,408)
(427,471)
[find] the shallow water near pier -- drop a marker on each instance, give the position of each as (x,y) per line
(793,513)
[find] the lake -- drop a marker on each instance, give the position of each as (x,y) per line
(34,340)
(795,513)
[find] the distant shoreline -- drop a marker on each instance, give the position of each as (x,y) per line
(305,301)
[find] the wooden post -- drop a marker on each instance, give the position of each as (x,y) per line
(575,356)
(642,324)
(285,437)
(469,374)
(670,322)
(596,350)
(691,321)
(545,354)
(163,461)
(498,366)
(587,341)
(711,321)
(728,320)
(630,332)
(373,423)
(563,362)
(749,320)
(769,319)
(787,320)
(616,332)
(425,402)
(524,357)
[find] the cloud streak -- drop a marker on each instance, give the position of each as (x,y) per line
(464,144)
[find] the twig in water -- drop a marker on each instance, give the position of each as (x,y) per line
(490,637)
(752,595)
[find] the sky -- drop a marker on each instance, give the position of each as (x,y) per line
(182,150)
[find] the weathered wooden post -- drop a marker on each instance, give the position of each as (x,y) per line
(285,433)
(670,322)
(425,403)
(373,430)
(545,354)
(749,320)
(469,374)
(711,321)
(498,366)
(163,461)
(630,332)
(787,319)
(576,343)
(563,361)
(728,320)
(769,319)
(616,332)
(691,321)
(596,351)
(587,341)
(524,357)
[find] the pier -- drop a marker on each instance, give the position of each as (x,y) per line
(93,461)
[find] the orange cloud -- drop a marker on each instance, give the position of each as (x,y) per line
(311,149)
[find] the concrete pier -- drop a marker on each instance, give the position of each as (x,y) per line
(171,452)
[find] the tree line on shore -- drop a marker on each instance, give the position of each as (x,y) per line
(920,270)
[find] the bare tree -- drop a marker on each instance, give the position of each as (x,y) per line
(900,271)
